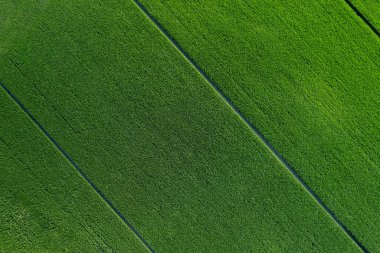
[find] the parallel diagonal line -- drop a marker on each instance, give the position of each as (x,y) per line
(255,131)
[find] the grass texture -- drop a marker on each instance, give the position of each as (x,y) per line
(370,9)
(45,204)
(152,134)
(306,74)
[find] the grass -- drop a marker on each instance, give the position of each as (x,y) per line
(306,74)
(152,134)
(45,205)
(370,9)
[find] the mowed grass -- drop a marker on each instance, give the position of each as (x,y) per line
(370,9)
(152,134)
(45,204)
(306,74)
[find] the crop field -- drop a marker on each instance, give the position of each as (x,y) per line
(370,10)
(188,126)
(319,107)
(45,205)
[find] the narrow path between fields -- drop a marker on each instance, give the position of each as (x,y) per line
(360,15)
(250,125)
(79,170)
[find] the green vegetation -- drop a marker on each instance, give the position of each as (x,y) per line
(150,132)
(370,9)
(306,74)
(45,204)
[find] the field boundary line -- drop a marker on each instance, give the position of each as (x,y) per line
(78,169)
(256,132)
(362,17)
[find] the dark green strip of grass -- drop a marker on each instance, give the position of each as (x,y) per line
(370,9)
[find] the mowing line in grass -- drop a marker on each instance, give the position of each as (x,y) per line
(79,170)
(360,15)
(252,127)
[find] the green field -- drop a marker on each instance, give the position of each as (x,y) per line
(370,9)
(307,76)
(45,204)
(166,149)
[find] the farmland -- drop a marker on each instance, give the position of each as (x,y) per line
(43,199)
(370,9)
(165,148)
(307,76)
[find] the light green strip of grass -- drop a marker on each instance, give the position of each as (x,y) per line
(370,9)
(45,205)
(152,134)
(306,74)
